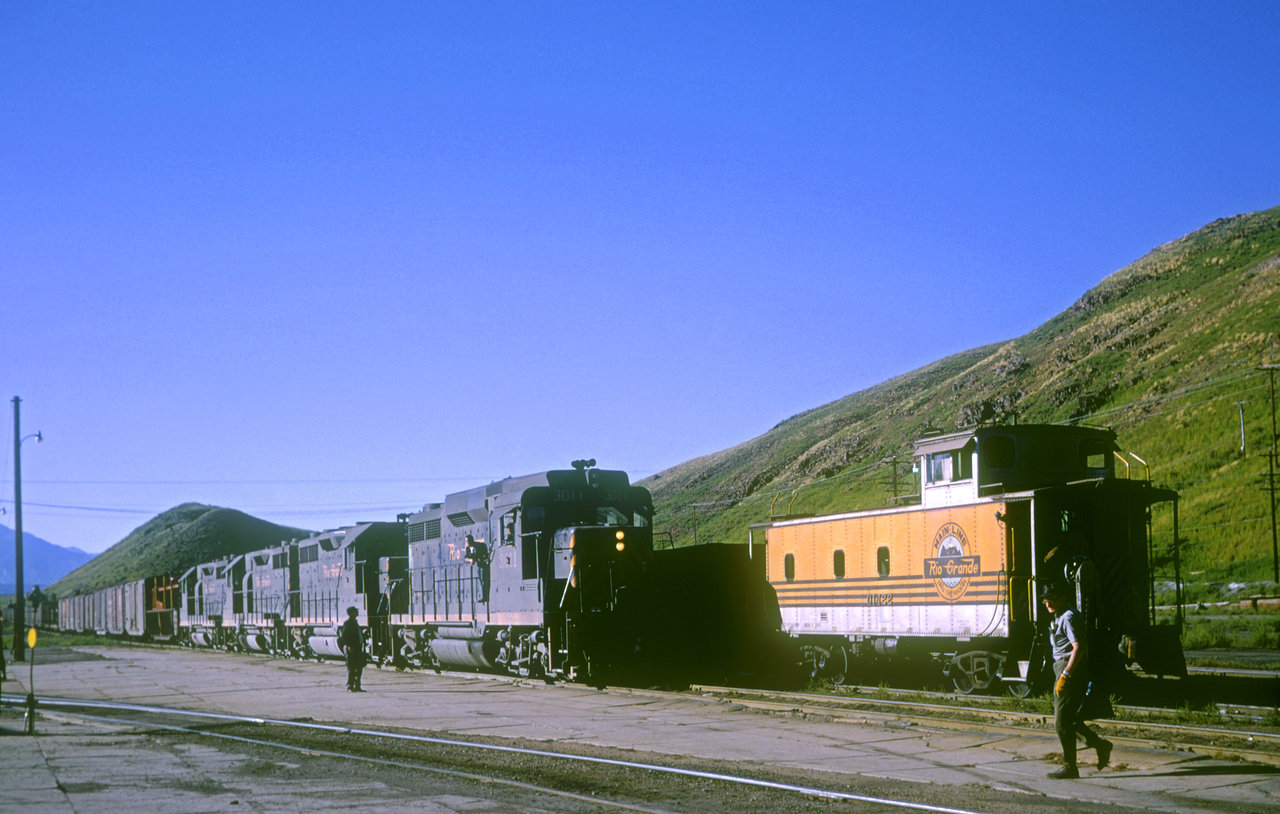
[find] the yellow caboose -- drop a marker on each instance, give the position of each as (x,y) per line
(953,578)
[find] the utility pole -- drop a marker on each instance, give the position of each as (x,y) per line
(1271,477)
(1240,405)
(19,603)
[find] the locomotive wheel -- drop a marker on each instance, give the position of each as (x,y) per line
(962,681)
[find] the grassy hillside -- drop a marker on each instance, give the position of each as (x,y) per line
(1160,351)
(172,542)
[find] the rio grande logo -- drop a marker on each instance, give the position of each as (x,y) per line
(950,568)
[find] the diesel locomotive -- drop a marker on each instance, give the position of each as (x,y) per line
(953,578)
(545,575)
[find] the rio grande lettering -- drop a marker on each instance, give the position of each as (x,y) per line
(952,567)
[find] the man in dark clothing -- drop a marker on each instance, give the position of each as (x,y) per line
(1070,655)
(351,643)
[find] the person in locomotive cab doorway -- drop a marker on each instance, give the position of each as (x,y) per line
(478,555)
(1070,664)
(351,643)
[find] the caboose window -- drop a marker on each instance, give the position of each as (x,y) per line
(945,467)
(940,467)
(789,566)
(837,564)
(1093,455)
(882,560)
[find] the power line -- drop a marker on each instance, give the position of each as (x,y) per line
(262,482)
(322,509)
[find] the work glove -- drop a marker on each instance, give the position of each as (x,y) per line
(1060,687)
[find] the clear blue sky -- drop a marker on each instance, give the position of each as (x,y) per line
(325,263)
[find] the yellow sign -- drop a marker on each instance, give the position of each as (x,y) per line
(31,637)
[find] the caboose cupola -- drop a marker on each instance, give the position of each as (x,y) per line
(963,466)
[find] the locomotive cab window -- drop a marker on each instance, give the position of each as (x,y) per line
(507,528)
(789,567)
(611,516)
(882,561)
(837,564)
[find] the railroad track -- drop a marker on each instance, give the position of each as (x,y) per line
(1227,711)
(510,764)
(1258,745)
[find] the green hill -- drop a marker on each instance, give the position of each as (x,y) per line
(172,542)
(1160,351)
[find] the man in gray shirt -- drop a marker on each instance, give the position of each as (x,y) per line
(1070,662)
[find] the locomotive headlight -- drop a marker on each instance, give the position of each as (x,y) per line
(622,538)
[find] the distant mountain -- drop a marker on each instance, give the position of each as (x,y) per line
(43,563)
(1161,351)
(174,541)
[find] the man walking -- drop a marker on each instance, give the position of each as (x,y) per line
(1070,663)
(351,643)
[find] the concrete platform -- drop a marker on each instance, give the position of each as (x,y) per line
(62,768)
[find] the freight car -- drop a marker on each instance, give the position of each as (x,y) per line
(952,579)
(138,609)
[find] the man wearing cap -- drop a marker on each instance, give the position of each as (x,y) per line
(351,643)
(1069,656)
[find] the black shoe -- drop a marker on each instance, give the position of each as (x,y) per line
(1065,773)
(1104,754)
